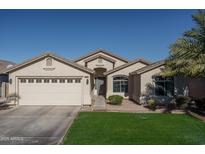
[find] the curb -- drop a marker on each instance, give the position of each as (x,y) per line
(195,115)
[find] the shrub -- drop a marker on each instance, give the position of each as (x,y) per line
(182,102)
(200,103)
(152,104)
(115,99)
(170,106)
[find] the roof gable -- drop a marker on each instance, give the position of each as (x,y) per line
(127,65)
(100,56)
(149,67)
(30,61)
(101,51)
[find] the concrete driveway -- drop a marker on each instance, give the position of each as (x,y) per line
(35,124)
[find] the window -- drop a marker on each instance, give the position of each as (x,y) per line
(38,80)
(23,80)
(120,84)
(164,86)
(54,80)
(70,80)
(49,62)
(30,80)
(77,80)
(62,80)
(99,60)
(46,80)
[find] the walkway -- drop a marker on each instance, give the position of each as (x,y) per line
(99,103)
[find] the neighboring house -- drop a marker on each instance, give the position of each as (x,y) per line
(4,77)
(3,66)
(52,80)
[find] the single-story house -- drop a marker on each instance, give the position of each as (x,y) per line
(52,80)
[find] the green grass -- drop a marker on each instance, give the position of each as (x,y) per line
(106,128)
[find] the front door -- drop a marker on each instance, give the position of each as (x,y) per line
(100,85)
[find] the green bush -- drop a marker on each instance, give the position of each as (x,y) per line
(182,102)
(115,99)
(152,104)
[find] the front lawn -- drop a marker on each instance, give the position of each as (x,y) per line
(135,128)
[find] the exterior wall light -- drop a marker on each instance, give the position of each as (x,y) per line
(10,81)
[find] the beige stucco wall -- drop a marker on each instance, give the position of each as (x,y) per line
(37,69)
(124,71)
(140,82)
(117,63)
(95,64)
(147,78)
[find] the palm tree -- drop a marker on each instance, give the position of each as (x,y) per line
(187,54)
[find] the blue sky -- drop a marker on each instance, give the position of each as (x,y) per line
(72,33)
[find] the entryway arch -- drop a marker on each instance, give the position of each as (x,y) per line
(100,81)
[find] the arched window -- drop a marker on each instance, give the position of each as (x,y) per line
(49,62)
(120,84)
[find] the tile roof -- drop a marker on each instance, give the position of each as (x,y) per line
(100,56)
(149,67)
(51,55)
(127,65)
(101,51)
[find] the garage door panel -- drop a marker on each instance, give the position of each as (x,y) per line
(50,93)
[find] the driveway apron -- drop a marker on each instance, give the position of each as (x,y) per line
(36,124)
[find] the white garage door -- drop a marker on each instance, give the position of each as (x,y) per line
(50,91)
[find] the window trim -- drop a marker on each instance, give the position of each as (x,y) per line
(61,80)
(30,80)
(39,80)
(120,81)
(78,80)
(45,80)
(69,80)
(23,80)
(54,80)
